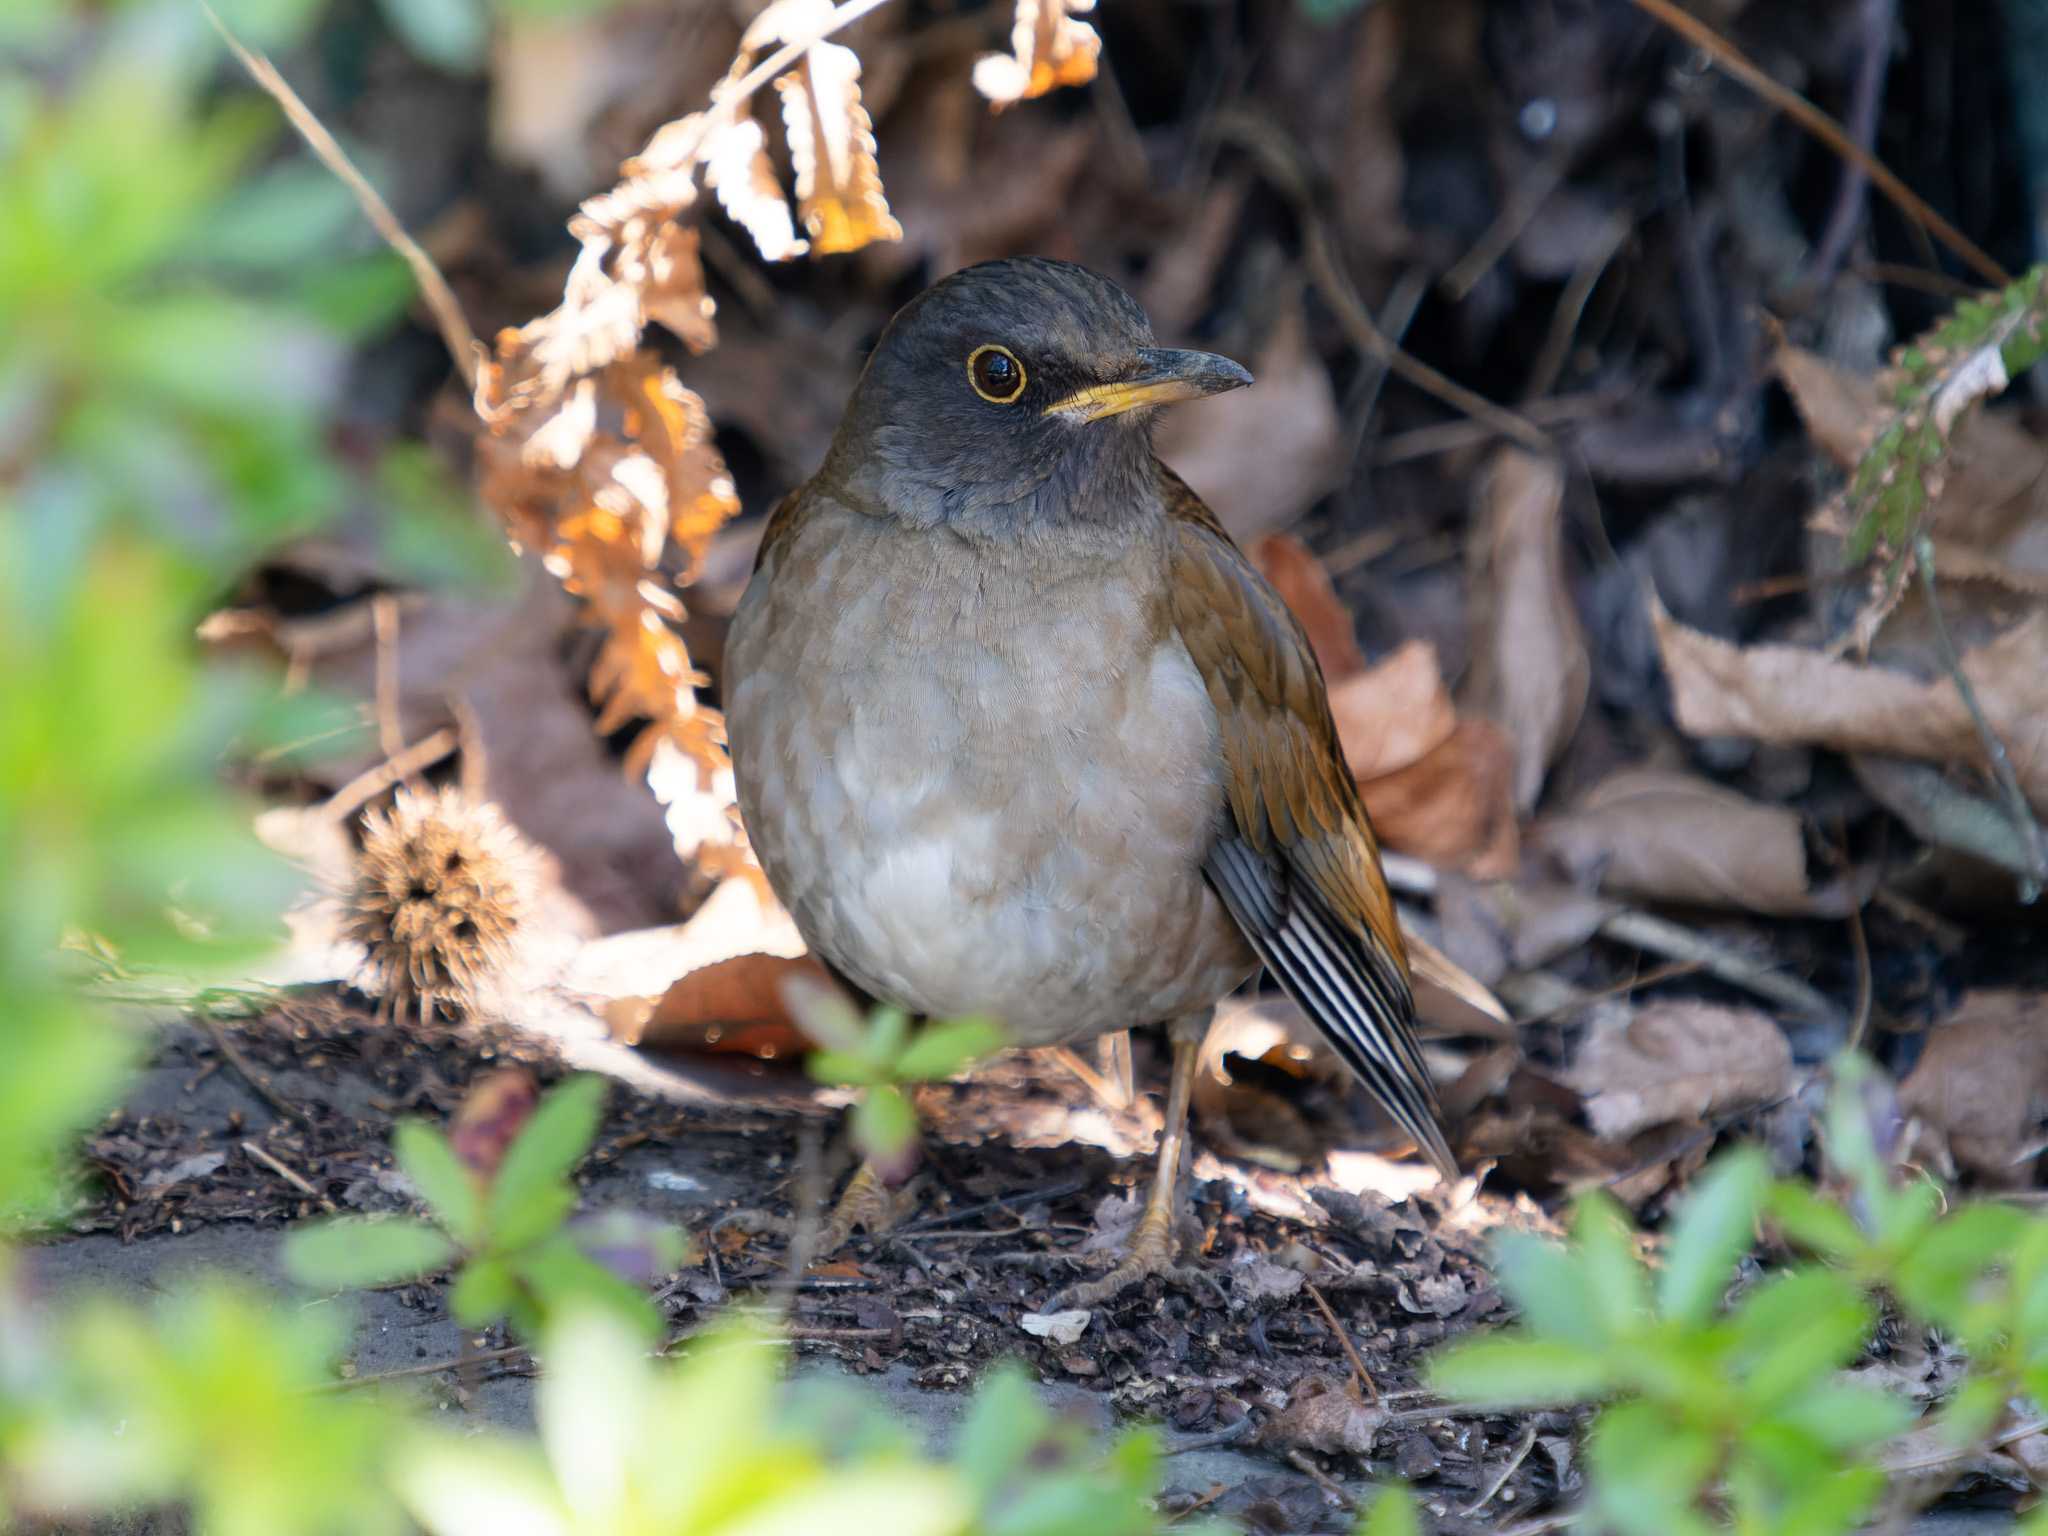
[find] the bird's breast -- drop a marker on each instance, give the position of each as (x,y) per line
(982,784)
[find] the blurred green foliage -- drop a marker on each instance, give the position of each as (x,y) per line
(1720,1412)
(879,1055)
(509,1227)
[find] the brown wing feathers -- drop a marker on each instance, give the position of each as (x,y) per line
(1298,869)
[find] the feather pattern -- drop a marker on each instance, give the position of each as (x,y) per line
(1297,867)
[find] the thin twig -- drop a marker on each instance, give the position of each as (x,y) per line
(1660,937)
(1359,1372)
(1826,129)
(430,1368)
(249,1146)
(1521,1455)
(456,334)
(1315,1474)
(232,1054)
(2032,841)
(1215,1492)
(1865,96)
(1280,162)
(371,783)
(1662,973)
(384,626)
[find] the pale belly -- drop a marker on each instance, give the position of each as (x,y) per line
(972,805)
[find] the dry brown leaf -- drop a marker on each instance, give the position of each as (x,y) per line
(1455,805)
(1304,585)
(1531,671)
(729,1007)
(1657,835)
(1323,1417)
(1395,713)
(831,140)
(1982,1084)
(1048,49)
(737,168)
(1679,1062)
(1786,694)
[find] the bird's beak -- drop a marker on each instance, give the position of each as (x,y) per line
(1164,376)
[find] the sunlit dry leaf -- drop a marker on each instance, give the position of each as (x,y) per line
(1679,1062)
(831,140)
(1982,1084)
(1454,806)
(1394,713)
(737,168)
(1662,836)
(1786,694)
(730,1007)
(1531,671)
(1302,582)
(1048,49)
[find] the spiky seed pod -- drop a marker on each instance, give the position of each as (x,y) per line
(442,884)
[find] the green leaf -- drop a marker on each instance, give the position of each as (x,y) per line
(884,1124)
(426,1158)
(553,1142)
(888,1028)
(1512,1370)
(1617,1286)
(1845,1417)
(1393,1513)
(484,1292)
(941,1050)
(1715,1228)
(1003,1423)
(364,1252)
(1796,1328)
(1938,1276)
(1646,1472)
(561,1277)
(542,1214)
(1546,1282)
(841,1067)
(824,1014)
(1814,1223)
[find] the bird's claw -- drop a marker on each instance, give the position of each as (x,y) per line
(1151,1252)
(867,1204)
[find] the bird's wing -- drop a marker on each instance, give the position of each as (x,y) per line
(1298,868)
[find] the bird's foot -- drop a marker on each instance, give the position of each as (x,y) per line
(867,1204)
(1151,1251)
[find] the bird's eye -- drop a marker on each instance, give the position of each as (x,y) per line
(996,374)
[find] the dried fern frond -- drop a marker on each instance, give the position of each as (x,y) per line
(442,886)
(1048,49)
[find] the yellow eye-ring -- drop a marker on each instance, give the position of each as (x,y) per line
(996,374)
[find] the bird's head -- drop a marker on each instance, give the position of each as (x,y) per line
(1014,394)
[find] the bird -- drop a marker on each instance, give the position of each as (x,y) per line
(1018,730)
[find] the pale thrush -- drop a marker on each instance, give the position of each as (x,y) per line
(1018,730)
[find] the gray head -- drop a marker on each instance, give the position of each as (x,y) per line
(1014,395)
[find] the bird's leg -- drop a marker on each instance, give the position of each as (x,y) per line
(1151,1249)
(871,1202)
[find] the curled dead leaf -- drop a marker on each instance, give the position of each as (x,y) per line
(738,170)
(1662,836)
(492,1114)
(1787,694)
(1048,49)
(1531,668)
(1393,714)
(1981,1085)
(1453,806)
(831,139)
(731,1006)
(1679,1062)
(1323,1417)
